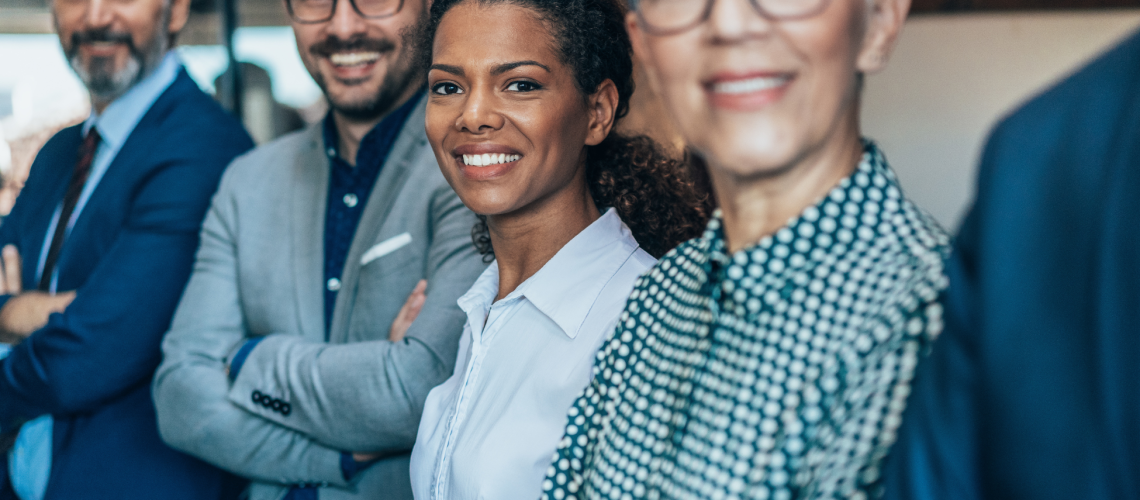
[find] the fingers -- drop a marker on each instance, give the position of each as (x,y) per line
(60,301)
(11,281)
(365,457)
(415,302)
(408,312)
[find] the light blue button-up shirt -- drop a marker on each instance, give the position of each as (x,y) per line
(29,461)
(489,431)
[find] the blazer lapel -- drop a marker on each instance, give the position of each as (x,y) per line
(57,160)
(307,222)
(406,152)
(125,166)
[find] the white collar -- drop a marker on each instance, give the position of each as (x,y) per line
(565,288)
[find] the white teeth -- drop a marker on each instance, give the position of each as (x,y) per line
(750,85)
(353,58)
(489,159)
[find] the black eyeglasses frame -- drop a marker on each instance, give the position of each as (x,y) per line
(289,8)
(653,30)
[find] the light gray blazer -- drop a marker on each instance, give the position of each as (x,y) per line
(259,273)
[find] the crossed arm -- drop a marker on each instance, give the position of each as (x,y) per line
(25,312)
(195,402)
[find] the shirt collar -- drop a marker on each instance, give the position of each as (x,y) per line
(385,130)
(567,286)
(118,120)
(477,301)
(872,170)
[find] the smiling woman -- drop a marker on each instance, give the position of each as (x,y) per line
(772,357)
(523,97)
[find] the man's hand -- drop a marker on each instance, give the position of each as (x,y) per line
(25,312)
(10,281)
(408,313)
(365,457)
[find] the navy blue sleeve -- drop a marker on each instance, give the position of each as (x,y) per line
(107,341)
(240,357)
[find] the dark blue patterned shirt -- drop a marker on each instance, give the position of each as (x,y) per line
(776,372)
(349,189)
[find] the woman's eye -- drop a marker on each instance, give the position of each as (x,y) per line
(523,86)
(445,88)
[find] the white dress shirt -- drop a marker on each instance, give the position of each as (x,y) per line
(490,430)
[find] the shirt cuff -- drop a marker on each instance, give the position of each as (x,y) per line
(240,357)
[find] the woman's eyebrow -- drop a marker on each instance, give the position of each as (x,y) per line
(455,70)
(503,68)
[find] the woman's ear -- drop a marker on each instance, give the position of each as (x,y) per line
(884,23)
(603,105)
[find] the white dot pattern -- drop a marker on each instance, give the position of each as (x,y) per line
(778,372)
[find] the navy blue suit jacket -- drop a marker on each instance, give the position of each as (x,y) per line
(1033,390)
(128,256)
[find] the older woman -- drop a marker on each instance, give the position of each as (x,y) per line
(770,358)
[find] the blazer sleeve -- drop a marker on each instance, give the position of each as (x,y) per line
(368,396)
(190,386)
(936,452)
(36,187)
(107,341)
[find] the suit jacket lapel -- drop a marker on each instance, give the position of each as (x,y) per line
(126,163)
(57,159)
(307,221)
(408,149)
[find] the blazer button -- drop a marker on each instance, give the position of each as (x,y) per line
(286,409)
(257,397)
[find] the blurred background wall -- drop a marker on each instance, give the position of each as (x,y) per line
(953,76)
(960,65)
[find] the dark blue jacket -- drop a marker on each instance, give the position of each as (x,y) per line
(128,256)
(1033,391)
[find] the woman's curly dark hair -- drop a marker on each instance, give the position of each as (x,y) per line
(654,193)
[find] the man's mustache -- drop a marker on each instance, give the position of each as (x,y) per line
(332,45)
(102,35)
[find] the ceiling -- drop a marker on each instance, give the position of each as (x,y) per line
(31,16)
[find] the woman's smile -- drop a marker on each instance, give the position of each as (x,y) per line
(747,91)
(484,161)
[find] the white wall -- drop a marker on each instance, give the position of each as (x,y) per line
(951,78)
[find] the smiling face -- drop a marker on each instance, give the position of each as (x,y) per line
(757,96)
(365,67)
(112,44)
(508,124)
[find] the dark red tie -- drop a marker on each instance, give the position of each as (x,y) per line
(70,199)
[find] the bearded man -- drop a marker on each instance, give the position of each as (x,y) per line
(278,365)
(96,253)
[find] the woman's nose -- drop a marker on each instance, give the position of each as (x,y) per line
(480,113)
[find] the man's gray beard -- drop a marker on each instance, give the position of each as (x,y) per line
(105,84)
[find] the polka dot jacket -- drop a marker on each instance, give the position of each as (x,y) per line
(778,372)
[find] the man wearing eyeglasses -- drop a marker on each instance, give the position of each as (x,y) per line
(277,366)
